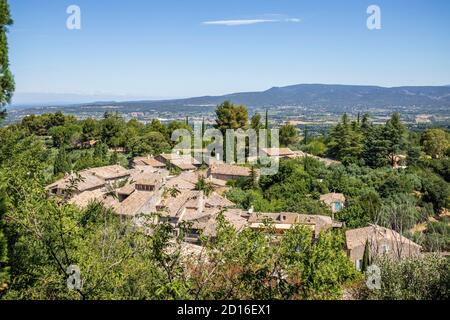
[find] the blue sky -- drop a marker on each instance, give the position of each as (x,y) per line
(164,49)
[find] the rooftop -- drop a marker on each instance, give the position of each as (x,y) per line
(230,170)
(359,237)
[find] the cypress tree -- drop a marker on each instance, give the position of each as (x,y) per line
(266,126)
(305,140)
(203,127)
(6,78)
(366,257)
(267,120)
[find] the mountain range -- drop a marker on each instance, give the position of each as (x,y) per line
(311,95)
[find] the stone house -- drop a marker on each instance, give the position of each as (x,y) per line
(335,201)
(382,241)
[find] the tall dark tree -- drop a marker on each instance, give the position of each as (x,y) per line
(346,140)
(366,257)
(6,78)
(375,150)
(395,135)
(305,135)
(267,120)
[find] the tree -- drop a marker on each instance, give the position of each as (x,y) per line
(395,136)
(113,127)
(114,159)
(151,143)
(62,162)
(288,135)
(90,130)
(255,123)
(436,191)
(366,257)
(315,147)
(205,186)
(266,126)
(6,78)
(4,270)
(425,277)
(230,116)
(346,141)
(375,150)
(305,135)
(435,142)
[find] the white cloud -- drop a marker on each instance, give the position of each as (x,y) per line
(242,22)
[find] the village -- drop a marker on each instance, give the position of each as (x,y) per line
(148,188)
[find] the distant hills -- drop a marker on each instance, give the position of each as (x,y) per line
(311,95)
(323,95)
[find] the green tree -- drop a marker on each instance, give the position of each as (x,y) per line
(366,257)
(305,135)
(375,150)
(345,141)
(256,123)
(288,135)
(113,128)
(395,135)
(90,130)
(205,186)
(315,147)
(426,277)
(230,116)
(153,143)
(4,269)
(435,142)
(114,159)
(6,78)
(62,162)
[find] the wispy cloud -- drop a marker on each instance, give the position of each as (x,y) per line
(243,22)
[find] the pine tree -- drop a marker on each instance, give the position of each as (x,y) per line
(346,141)
(395,136)
(6,78)
(306,133)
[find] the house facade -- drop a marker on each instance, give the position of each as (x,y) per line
(382,241)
